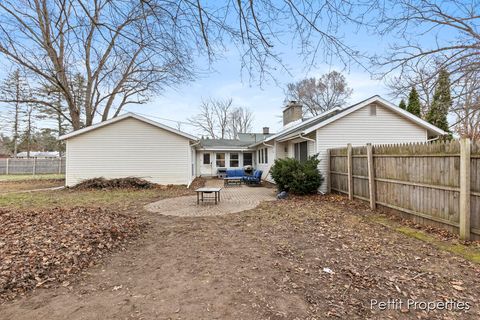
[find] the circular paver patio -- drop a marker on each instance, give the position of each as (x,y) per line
(233,199)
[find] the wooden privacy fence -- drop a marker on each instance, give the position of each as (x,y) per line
(32,166)
(436,183)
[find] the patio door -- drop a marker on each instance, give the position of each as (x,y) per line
(301,151)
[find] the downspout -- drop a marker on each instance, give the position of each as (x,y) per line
(433,139)
(193,145)
(308,139)
(267,145)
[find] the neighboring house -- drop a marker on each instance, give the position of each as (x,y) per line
(39,154)
(111,148)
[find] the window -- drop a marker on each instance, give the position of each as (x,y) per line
(206,158)
(247,159)
(301,151)
(258,156)
(263,155)
(220,157)
(233,160)
(373,109)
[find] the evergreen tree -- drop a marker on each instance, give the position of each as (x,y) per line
(56,112)
(414,106)
(402,105)
(441,103)
(14,90)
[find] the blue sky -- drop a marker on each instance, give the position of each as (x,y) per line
(225,80)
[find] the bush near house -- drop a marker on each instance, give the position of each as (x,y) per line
(297,177)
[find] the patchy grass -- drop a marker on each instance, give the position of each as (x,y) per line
(28,185)
(73,198)
(24,177)
(469,252)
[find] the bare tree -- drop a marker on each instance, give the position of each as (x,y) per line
(120,48)
(467,108)
(319,95)
(128,50)
(241,120)
(452,24)
(213,118)
(219,119)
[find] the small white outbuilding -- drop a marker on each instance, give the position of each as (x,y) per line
(130,146)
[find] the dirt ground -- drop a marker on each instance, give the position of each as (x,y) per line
(302,258)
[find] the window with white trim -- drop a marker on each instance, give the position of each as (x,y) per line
(248,159)
(206,158)
(220,160)
(233,160)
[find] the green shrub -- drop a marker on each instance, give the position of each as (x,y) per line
(296,177)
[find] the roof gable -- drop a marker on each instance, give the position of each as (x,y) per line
(384,103)
(126,116)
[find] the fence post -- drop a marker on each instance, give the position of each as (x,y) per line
(34,166)
(350,171)
(6,168)
(371,177)
(60,165)
(465,189)
(329,175)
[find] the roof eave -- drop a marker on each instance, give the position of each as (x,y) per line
(125,116)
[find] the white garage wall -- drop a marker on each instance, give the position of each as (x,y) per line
(126,148)
(360,128)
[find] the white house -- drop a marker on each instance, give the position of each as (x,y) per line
(374,120)
(131,145)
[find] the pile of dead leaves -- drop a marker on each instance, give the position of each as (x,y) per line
(120,183)
(197,183)
(42,248)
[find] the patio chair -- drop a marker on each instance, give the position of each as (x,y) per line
(256,178)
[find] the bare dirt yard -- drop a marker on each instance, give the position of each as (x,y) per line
(302,258)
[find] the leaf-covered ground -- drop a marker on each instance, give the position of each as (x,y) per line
(39,248)
(302,258)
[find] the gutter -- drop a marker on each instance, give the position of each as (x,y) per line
(195,144)
(308,139)
(433,139)
(299,136)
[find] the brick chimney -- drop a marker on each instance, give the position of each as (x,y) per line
(266,130)
(292,112)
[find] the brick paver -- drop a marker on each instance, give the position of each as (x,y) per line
(233,199)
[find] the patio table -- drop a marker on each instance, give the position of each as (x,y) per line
(232,181)
(201,191)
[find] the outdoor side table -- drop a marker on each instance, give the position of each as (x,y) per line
(201,191)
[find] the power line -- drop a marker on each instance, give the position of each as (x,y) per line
(165,119)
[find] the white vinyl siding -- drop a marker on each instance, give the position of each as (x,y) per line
(361,127)
(269,155)
(126,148)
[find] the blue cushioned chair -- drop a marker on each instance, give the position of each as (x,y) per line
(256,178)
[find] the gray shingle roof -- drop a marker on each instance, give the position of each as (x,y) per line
(224,143)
